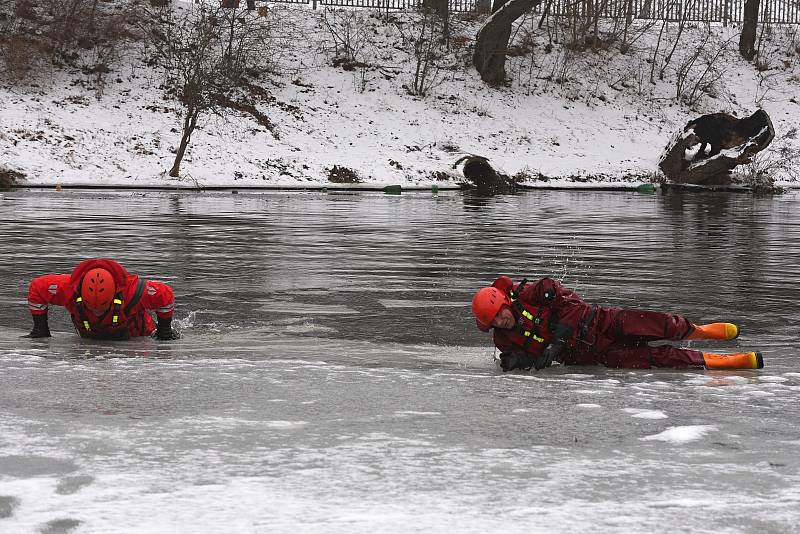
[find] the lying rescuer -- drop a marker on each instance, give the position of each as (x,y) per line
(537,324)
(104,301)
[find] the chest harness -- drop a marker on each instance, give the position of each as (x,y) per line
(533,327)
(116,328)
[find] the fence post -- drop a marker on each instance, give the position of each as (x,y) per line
(725,13)
(314,4)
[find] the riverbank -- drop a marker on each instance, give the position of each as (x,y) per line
(604,125)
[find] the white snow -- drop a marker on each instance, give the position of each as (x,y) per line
(594,126)
(681,434)
(641,413)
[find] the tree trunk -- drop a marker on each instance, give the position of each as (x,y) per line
(491,42)
(483,6)
(498,4)
(188,127)
(442,10)
(747,40)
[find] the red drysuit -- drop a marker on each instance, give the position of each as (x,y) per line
(133,317)
(613,337)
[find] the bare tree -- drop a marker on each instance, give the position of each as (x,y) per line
(206,53)
(442,10)
(491,43)
(747,39)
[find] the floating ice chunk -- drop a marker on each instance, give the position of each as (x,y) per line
(284,424)
(641,413)
(759,393)
(681,434)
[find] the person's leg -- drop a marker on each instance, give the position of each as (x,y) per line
(640,325)
(645,357)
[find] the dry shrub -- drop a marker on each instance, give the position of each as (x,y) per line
(10,178)
(64,32)
(342,175)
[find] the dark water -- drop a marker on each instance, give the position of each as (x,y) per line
(330,378)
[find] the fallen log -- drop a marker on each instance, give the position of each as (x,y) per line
(711,146)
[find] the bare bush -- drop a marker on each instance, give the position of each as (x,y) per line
(781,159)
(423,36)
(88,34)
(697,73)
(208,54)
(10,178)
(352,37)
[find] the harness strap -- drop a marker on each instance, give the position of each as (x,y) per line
(516,305)
(584,326)
(117,304)
(137,295)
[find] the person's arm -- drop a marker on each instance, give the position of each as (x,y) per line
(548,291)
(511,356)
(158,297)
(42,292)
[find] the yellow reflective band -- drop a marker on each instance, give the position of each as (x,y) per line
(79,299)
(528,333)
(86,324)
(114,319)
(527,315)
(117,301)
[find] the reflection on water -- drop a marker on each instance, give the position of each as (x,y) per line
(252,260)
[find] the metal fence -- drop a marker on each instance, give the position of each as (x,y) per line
(770,11)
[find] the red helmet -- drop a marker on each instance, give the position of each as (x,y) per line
(97,289)
(485,305)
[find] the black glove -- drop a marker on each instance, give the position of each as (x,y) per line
(515,360)
(550,353)
(164,331)
(40,328)
(561,333)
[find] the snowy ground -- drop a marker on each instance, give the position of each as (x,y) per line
(605,124)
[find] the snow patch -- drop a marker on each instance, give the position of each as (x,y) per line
(681,434)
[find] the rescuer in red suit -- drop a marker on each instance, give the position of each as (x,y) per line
(539,323)
(104,301)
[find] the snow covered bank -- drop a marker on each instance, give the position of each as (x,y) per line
(602,123)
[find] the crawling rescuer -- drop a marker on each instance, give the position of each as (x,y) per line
(538,323)
(104,301)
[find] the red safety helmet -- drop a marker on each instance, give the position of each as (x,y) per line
(97,289)
(485,305)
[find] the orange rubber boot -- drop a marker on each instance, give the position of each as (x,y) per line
(724,331)
(737,360)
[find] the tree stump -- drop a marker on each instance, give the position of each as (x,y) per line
(481,177)
(732,142)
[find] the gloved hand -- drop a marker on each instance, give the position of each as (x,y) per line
(561,333)
(40,327)
(545,359)
(515,360)
(164,331)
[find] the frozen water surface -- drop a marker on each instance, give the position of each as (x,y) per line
(330,378)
